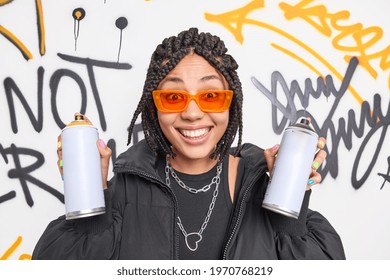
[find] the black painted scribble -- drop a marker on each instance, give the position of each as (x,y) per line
(8,196)
(120,23)
(386,176)
(374,118)
(23,173)
(378,122)
(78,14)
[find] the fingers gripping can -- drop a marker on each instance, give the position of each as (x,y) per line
(83,185)
(287,186)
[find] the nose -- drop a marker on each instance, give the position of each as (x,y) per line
(192,112)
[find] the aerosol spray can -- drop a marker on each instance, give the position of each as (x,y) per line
(83,184)
(287,186)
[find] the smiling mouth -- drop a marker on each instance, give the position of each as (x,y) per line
(193,134)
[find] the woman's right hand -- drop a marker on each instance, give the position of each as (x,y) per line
(105,154)
(104,151)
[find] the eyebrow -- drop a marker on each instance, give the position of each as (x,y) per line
(211,77)
(172,79)
(203,79)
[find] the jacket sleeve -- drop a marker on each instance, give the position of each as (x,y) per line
(309,237)
(96,237)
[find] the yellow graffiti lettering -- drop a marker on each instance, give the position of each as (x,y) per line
(234,21)
(13,248)
(41,28)
(41,33)
(300,10)
(363,38)
(4,2)
(14,40)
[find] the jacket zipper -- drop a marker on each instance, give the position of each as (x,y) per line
(152,178)
(224,257)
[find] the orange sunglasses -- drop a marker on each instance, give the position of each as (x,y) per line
(209,101)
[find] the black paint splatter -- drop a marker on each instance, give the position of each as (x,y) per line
(120,23)
(78,14)
(386,177)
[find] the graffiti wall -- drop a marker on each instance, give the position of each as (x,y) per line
(329,60)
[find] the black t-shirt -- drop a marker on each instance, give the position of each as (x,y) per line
(193,208)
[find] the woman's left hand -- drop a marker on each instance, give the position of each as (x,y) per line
(320,156)
(315,177)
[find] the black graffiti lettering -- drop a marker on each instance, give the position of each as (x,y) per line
(10,87)
(8,196)
(374,118)
(54,83)
(328,126)
(12,194)
(12,90)
(289,112)
(90,63)
(22,173)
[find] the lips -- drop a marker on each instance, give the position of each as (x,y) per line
(194,133)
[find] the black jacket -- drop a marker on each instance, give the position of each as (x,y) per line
(139,222)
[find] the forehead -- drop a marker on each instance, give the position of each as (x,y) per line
(194,68)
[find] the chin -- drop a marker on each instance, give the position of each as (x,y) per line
(198,153)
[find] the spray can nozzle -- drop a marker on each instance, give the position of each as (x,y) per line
(79,117)
(305,121)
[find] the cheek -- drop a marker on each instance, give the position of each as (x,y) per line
(166,121)
(221,120)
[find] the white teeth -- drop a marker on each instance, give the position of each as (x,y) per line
(194,133)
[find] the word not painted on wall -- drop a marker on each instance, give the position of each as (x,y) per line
(12,91)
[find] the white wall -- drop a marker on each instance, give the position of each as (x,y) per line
(354,195)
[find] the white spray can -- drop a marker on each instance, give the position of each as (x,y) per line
(287,185)
(83,184)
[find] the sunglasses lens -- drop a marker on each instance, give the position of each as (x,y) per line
(174,101)
(212,100)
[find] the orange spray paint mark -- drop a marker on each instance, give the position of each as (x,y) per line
(235,20)
(41,27)
(13,248)
(360,39)
(41,32)
(15,41)
(4,2)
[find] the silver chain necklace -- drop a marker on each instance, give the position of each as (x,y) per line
(196,237)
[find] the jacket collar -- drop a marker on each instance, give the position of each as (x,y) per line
(140,159)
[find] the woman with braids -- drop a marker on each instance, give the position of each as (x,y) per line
(183,192)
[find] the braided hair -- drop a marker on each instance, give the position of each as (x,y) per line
(166,56)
